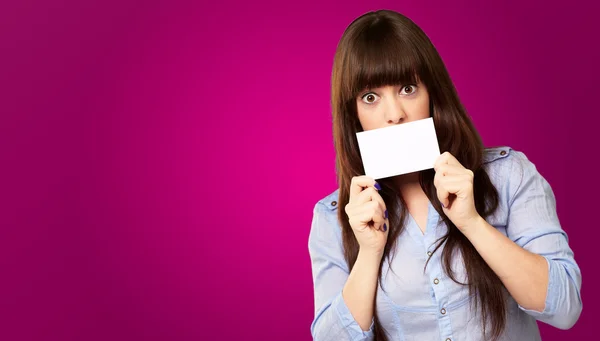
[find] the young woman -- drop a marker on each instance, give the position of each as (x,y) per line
(470,250)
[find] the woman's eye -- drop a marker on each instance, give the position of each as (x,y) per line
(369,98)
(409,89)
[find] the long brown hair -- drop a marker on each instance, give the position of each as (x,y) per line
(386,48)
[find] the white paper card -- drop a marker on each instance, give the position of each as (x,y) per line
(399,149)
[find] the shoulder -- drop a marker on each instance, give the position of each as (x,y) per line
(492,154)
(511,171)
(325,228)
(329,202)
(504,161)
(325,209)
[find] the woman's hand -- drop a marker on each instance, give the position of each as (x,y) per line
(367,215)
(454,184)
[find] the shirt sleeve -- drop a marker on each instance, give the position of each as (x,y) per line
(332,318)
(534,225)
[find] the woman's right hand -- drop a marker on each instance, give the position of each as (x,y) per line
(367,214)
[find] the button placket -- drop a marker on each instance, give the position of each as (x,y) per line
(440,294)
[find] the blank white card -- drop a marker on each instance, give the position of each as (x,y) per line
(399,149)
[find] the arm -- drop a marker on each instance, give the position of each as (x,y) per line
(337,291)
(524,274)
(361,286)
(534,262)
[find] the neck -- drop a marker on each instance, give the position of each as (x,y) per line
(409,185)
(407,180)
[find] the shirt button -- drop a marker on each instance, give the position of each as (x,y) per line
(436,281)
(503,152)
(333,203)
(429,253)
(443,311)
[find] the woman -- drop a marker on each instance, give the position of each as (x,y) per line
(470,250)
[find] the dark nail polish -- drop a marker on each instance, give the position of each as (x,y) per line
(378,186)
(384,227)
(442,204)
(385,213)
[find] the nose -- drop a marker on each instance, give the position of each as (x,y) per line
(394,113)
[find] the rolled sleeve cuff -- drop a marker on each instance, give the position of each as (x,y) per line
(551,293)
(354,330)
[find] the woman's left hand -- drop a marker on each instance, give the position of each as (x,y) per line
(451,178)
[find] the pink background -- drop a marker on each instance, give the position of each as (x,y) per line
(160,162)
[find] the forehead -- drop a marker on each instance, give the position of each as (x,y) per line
(383,65)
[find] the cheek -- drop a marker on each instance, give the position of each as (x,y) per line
(420,108)
(367,119)
(365,123)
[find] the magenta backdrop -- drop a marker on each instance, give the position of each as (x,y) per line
(160,162)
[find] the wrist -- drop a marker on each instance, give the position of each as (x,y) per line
(370,255)
(472,226)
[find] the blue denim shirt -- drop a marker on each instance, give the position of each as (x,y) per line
(417,305)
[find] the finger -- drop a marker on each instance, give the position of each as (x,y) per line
(378,220)
(367,210)
(441,160)
(443,195)
(458,186)
(446,169)
(369,214)
(355,208)
(451,160)
(377,197)
(446,158)
(360,219)
(370,194)
(440,180)
(359,183)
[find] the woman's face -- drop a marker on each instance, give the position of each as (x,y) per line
(390,105)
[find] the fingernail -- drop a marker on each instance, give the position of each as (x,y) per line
(385,214)
(378,186)
(442,204)
(384,227)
